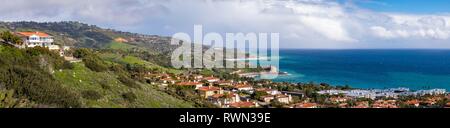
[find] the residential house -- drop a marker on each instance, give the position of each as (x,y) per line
(41,39)
(196,85)
(243,105)
(208,91)
(362,104)
(415,103)
(243,87)
(286,99)
(306,105)
(269,91)
(168,81)
(338,99)
(385,104)
(197,77)
(225,83)
(267,98)
(211,79)
(224,100)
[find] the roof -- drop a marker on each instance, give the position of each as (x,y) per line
(210,78)
(305,105)
(189,83)
(218,96)
(282,96)
(242,104)
(40,34)
(209,88)
(412,102)
(242,86)
(263,89)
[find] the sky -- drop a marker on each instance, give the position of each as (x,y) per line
(324,24)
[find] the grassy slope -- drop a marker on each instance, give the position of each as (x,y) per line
(82,79)
(131,59)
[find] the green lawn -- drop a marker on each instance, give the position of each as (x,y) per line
(82,79)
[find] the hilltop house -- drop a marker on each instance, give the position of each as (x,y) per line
(34,39)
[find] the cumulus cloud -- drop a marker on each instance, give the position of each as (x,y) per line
(301,23)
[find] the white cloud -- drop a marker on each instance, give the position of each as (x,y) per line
(301,23)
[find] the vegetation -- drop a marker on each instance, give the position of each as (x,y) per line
(7,36)
(27,73)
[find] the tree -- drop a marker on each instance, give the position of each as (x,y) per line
(259,94)
(7,36)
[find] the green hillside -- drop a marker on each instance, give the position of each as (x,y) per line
(106,78)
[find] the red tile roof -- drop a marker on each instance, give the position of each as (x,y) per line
(209,88)
(27,34)
(242,105)
(189,83)
(305,105)
(242,86)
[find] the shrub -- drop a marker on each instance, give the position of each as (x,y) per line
(81,53)
(128,81)
(129,96)
(9,37)
(37,86)
(95,64)
(67,65)
(104,85)
(91,95)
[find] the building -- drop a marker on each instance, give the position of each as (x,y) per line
(243,105)
(211,79)
(225,83)
(41,39)
(269,91)
(306,105)
(415,103)
(243,87)
(196,85)
(267,98)
(34,39)
(285,99)
(208,91)
(224,100)
(447,105)
(168,80)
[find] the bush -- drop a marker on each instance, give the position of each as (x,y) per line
(128,81)
(91,95)
(9,37)
(129,96)
(95,64)
(104,85)
(81,53)
(67,65)
(37,86)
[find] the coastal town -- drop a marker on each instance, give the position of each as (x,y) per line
(242,90)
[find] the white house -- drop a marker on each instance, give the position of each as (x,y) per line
(34,39)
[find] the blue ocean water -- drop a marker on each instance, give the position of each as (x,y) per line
(415,69)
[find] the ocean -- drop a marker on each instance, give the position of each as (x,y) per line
(414,69)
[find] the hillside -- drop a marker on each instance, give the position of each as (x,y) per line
(80,35)
(37,77)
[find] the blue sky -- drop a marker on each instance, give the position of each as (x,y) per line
(406,6)
(301,23)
